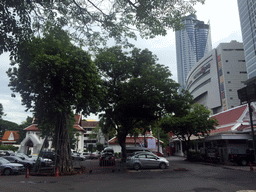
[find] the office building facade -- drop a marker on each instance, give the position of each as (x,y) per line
(192,43)
(247,13)
(216,77)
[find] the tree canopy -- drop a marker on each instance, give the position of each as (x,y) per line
(194,121)
(137,89)
(90,22)
(54,78)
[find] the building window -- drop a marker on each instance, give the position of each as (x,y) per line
(226,60)
(228,72)
(230,89)
(231,98)
(229,81)
(243,72)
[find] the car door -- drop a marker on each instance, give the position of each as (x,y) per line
(152,161)
(142,158)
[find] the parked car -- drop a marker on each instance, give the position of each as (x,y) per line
(8,168)
(147,160)
(44,161)
(48,155)
(86,155)
(78,157)
(159,154)
(107,157)
(94,155)
(14,159)
(130,150)
(23,156)
(6,153)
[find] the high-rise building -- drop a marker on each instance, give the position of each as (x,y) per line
(216,77)
(192,43)
(247,13)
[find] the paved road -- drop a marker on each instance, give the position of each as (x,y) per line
(182,176)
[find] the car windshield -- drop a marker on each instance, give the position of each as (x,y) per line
(18,158)
(22,155)
(4,161)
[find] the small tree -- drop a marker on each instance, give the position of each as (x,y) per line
(195,121)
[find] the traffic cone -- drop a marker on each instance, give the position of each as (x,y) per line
(251,168)
(27,174)
(57,172)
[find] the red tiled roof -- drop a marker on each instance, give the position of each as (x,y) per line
(79,128)
(32,127)
(78,119)
(230,116)
(7,134)
(221,130)
(89,124)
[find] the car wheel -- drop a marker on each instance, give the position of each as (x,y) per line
(162,165)
(7,171)
(136,166)
(243,162)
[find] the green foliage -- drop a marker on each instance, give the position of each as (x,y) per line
(90,147)
(99,147)
(1,110)
(8,147)
(55,78)
(137,90)
(115,19)
(8,126)
(195,121)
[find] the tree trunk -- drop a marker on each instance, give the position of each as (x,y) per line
(63,160)
(121,141)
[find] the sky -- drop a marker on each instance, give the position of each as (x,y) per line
(225,26)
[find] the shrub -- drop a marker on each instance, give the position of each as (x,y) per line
(8,147)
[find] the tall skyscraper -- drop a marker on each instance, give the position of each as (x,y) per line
(247,13)
(191,45)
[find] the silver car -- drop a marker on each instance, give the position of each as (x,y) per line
(147,160)
(8,168)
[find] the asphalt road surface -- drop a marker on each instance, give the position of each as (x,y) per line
(181,176)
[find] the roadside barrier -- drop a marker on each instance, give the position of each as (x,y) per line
(251,168)
(27,173)
(57,172)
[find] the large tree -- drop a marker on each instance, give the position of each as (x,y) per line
(194,120)
(137,90)
(54,78)
(91,22)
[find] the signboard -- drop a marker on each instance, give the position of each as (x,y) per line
(152,143)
